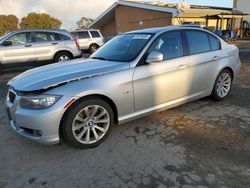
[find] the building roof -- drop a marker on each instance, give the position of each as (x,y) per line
(110,12)
(177,10)
(203,12)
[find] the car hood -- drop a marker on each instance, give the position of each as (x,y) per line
(59,73)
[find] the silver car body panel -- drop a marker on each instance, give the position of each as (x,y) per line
(135,90)
(59,73)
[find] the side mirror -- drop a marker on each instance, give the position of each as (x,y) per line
(154,57)
(7,43)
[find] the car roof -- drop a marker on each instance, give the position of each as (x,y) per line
(85,30)
(44,30)
(161,29)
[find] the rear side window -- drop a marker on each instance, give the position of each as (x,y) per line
(198,41)
(214,43)
(61,37)
(169,44)
(95,34)
(83,34)
(48,36)
(43,37)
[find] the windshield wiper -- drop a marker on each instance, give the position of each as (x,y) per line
(100,58)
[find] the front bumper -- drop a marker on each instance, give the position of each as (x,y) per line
(39,125)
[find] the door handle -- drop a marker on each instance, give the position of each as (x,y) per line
(215,58)
(183,66)
(54,43)
(28,45)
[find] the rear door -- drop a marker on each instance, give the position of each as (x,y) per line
(43,44)
(84,39)
(97,38)
(204,50)
(21,50)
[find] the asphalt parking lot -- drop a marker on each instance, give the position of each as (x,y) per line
(200,144)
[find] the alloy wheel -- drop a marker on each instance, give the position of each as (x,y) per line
(63,58)
(223,84)
(91,124)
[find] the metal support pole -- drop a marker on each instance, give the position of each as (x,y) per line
(221,22)
(207,21)
(241,26)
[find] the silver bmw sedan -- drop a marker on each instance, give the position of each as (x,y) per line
(132,75)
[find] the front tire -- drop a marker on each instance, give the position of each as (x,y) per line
(222,85)
(87,123)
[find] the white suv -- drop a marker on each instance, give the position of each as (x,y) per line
(89,40)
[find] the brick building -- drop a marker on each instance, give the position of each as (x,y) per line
(125,16)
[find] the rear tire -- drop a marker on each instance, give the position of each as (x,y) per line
(87,123)
(62,56)
(222,85)
(93,48)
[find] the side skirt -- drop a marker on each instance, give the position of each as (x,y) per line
(162,107)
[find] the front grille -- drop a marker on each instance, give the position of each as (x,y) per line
(12,96)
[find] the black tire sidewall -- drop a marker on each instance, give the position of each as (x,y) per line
(69,118)
(214,93)
(90,48)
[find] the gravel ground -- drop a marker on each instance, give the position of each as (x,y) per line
(200,144)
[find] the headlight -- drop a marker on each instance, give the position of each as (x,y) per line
(39,101)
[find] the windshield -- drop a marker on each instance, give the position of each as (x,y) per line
(123,48)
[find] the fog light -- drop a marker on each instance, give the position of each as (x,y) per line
(37,133)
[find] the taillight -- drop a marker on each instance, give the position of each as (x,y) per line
(77,44)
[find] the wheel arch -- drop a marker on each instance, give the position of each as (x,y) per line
(230,70)
(99,96)
(94,43)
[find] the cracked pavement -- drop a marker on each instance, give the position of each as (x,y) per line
(199,144)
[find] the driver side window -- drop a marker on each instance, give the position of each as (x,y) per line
(169,44)
(20,39)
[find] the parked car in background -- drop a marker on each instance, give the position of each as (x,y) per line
(89,40)
(132,75)
(192,25)
(38,45)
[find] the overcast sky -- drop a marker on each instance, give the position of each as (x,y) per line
(70,11)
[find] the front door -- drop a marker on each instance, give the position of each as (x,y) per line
(20,51)
(158,83)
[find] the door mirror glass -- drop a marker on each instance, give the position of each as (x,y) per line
(7,43)
(154,57)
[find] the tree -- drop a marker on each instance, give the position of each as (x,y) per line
(40,21)
(84,23)
(8,23)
